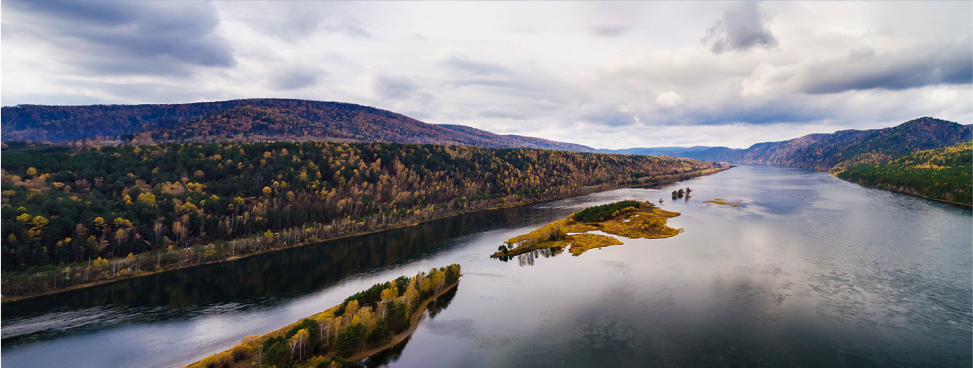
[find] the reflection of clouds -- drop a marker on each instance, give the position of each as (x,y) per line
(463,327)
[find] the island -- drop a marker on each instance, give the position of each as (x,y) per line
(721,201)
(363,325)
(630,219)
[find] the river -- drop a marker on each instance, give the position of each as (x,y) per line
(808,271)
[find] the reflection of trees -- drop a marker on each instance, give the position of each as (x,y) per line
(264,279)
(393,354)
(440,303)
(527,259)
(384,358)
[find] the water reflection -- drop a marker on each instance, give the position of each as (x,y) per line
(251,283)
(527,259)
(811,271)
(393,353)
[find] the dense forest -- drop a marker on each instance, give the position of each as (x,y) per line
(251,120)
(371,318)
(824,152)
(944,174)
(160,204)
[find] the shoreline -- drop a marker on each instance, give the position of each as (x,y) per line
(15,298)
(401,336)
(366,351)
(914,194)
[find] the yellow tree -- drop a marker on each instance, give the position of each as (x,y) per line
(299,342)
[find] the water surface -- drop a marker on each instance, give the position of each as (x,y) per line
(809,271)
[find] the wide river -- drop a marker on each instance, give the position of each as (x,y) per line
(808,271)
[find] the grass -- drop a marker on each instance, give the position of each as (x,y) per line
(723,202)
(630,219)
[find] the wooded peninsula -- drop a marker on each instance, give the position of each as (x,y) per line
(363,324)
(82,215)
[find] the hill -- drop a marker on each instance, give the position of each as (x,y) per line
(247,120)
(824,152)
(181,204)
(944,174)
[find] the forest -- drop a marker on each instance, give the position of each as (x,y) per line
(944,174)
(248,120)
(372,318)
(99,212)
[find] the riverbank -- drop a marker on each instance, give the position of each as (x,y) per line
(20,286)
(343,317)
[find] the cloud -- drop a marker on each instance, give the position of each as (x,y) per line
(742,27)
(864,69)
(589,73)
(119,38)
(464,64)
(296,21)
(609,30)
(295,77)
(668,99)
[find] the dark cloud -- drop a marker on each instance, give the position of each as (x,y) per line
(742,27)
(944,64)
(112,37)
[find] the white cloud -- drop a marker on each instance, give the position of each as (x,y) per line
(668,99)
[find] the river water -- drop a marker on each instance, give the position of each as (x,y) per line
(808,271)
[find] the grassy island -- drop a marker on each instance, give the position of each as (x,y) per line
(630,219)
(721,201)
(363,325)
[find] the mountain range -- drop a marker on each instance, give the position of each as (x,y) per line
(826,152)
(247,120)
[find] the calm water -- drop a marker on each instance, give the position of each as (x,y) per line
(810,271)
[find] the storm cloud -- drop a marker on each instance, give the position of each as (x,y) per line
(112,37)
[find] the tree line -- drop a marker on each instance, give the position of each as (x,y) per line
(367,319)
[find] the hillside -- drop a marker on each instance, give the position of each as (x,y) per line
(824,152)
(156,202)
(249,120)
(944,174)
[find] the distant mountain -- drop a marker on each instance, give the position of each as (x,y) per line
(247,120)
(824,152)
(662,151)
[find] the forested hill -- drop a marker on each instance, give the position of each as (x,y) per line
(944,174)
(246,120)
(845,148)
(61,206)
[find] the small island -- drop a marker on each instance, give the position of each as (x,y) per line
(723,202)
(630,219)
(363,325)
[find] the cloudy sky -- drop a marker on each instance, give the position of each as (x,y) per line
(610,75)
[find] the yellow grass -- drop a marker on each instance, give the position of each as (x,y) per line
(647,222)
(721,201)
